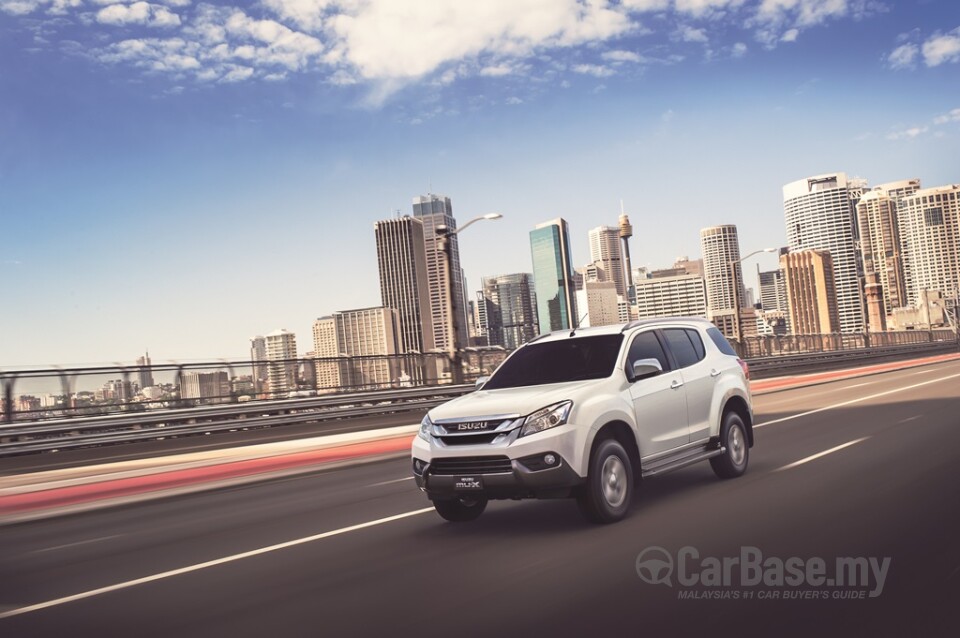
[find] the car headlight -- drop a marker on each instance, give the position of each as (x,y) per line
(426,429)
(546,418)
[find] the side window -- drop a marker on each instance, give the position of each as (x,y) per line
(646,346)
(722,344)
(681,346)
(697,344)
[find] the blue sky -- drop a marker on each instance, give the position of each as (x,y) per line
(181,176)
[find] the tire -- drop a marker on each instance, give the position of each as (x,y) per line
(460,510)
(733,437)
(605,498)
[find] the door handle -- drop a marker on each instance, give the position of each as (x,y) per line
(715,373)
(676,384)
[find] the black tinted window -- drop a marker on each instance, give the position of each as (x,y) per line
(646,346)
(717,337)
(681,347)
(572,359)
(697,344)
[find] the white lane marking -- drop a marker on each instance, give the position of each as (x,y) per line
(86,542)
(858,385)
(210,563)
(813,457)
(927,371)
(908,419)
(399,480)
(852,401)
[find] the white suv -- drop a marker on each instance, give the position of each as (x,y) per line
(587,413)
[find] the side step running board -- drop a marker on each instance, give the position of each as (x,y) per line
(674,463)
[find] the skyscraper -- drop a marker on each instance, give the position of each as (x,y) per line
(931,226)
(773,290)
(404,281)
(553,276)
(606,252)
(674,295)
(509,309)
(598,304)
(370,334)
(811,294)
(281,348)
(820,215)
(723,276)
(435,211)
(145,374)
(258,353)
(880,249)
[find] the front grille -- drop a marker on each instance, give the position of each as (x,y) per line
(471,465)
(470,427)
(475,439)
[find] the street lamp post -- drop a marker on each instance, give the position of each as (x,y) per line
(738,315)
(453,352)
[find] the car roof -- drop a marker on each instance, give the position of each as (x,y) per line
(593,331)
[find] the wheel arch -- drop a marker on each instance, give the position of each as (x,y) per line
(738,404)
(621,432)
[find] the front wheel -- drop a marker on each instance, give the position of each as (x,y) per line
(606,496)
(733,436)
(460,510)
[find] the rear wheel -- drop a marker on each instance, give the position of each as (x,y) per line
(460,510)
(733,436)
(605,498)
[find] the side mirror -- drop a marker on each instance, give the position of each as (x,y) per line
(480,381)
(644,368)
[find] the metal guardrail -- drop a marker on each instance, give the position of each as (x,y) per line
(62,434)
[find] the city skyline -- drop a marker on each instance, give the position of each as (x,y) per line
(118,181)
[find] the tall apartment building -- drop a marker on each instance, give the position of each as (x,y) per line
(509,309)
(811,294)
(258,358)
(930,222)
(606,253)
(598,304)
(723,276)
(881,251)
(553,276)
(675,295)
(281,346)
(773,290)
(144,373)
(404,280)
(213,386)
(820,214)
(435,211)
(363,339)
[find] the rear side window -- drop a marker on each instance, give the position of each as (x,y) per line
(697,344)
(646,346)
(681,346)
(721,342)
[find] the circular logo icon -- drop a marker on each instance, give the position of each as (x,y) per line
(655,566)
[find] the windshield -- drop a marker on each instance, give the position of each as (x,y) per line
(574,359)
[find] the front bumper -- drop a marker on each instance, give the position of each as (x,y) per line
(526,477)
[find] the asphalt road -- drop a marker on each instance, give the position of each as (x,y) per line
(534,568)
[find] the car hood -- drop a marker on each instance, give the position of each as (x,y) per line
(520,401)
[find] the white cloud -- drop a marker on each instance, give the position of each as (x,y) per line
(941,48)
(26,7)
(514,100)
(142,13)
(646,5)
(698,8)
(621,56)
(739,50)
(689,34)
(790,35)
(595,70)
(909,133)
(237,74)
(903,56)
(951,116)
